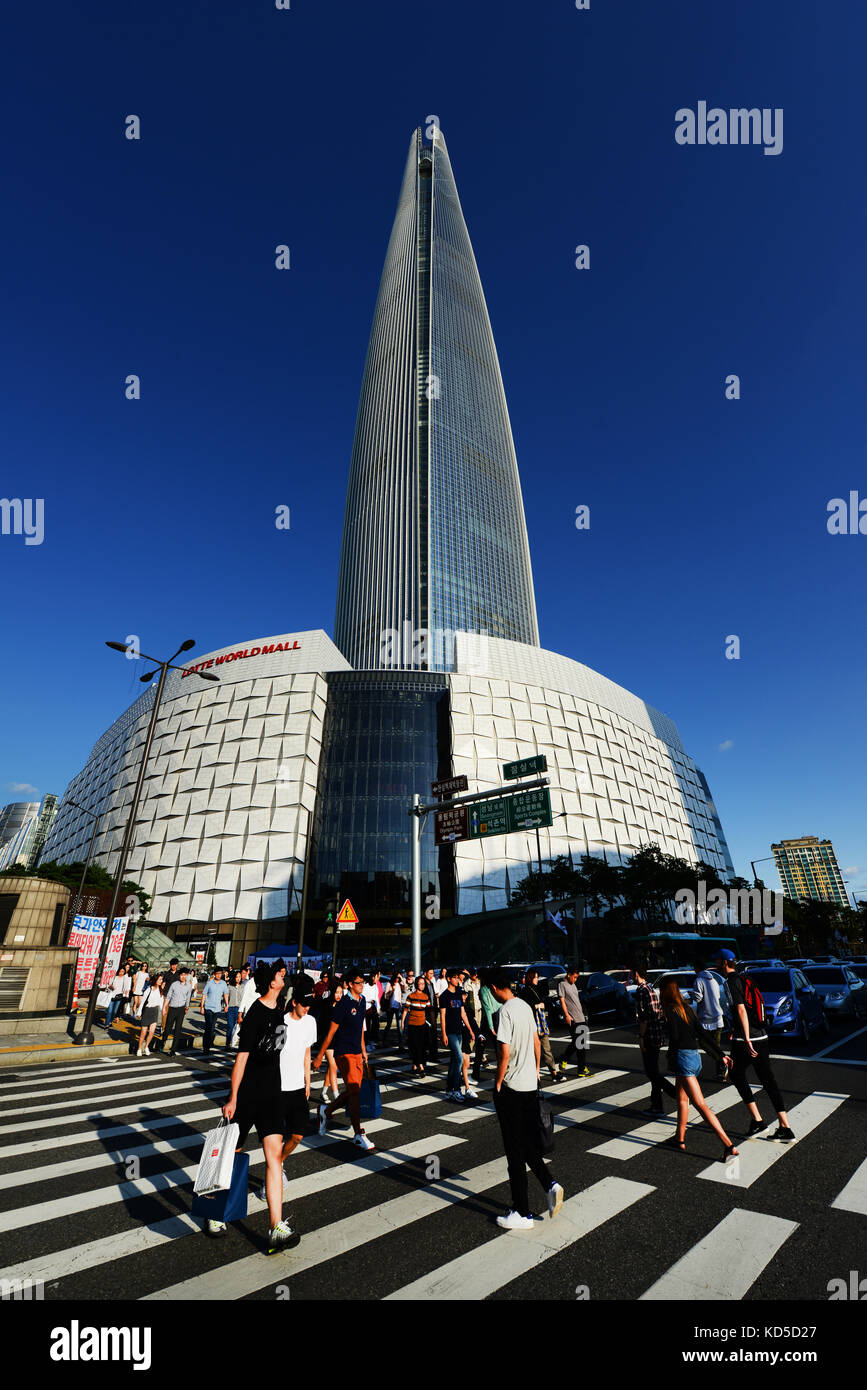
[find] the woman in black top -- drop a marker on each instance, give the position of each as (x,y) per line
(686,1035)
(256,1097)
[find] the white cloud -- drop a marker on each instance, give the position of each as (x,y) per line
(22,788)
(726,745)
(852,869)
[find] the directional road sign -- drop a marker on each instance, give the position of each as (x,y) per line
(529,810)
(451,825)
(525,767)
(449,786)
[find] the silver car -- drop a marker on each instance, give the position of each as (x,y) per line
(842,994)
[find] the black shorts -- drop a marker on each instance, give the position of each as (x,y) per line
(296,1112)
(264,1112)
(466,1043)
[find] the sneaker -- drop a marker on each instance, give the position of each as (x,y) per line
(782,1135)
(470,1094)
(262,1195)
(323,1119)
(756,1127)
(147,1052)
(654,1110)
(282,1237)
(139,1053)
(555,1199)
(216,1228)
(361,1141)
(562,1066)
(585,1072)
(513,1222)
(456,1096)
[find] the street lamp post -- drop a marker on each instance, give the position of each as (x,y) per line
(86,1034)
(77,899)
(754,862)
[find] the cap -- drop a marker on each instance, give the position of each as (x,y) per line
(726,955)
(306,997)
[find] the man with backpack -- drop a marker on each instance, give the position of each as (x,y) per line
(750,1047)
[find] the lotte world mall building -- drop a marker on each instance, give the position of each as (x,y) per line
(308,751)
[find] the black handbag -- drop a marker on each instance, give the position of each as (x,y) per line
(546,1126)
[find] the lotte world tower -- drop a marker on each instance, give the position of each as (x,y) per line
(296,771)
(434,538)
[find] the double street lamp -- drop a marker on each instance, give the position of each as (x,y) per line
(86,1034)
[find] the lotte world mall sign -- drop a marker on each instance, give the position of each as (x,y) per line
(239,656)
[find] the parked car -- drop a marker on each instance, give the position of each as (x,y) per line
(800,961)
(685,981)
(793,1007)
(599,994)
(842,993)
(768,963)
(826,960)
(859,960)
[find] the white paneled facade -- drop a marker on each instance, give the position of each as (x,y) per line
(619,775)
(222,824)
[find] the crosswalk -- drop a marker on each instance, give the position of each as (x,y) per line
(97,1162)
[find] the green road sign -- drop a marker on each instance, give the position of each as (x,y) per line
(529,810)
(525,767)
(489,817)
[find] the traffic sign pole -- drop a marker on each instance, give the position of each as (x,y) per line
(416,884)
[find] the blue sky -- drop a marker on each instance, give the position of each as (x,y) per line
(261,127)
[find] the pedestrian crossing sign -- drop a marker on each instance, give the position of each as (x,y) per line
(347,915)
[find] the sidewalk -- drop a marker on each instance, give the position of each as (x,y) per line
(121,1040)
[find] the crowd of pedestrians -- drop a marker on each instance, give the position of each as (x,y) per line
(286,1027)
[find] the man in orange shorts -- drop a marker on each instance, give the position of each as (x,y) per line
(346,1037)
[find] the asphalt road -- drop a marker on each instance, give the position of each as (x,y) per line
(97,1162)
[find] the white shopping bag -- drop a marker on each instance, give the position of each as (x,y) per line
(103,999)
(218,1159)
(236,1036)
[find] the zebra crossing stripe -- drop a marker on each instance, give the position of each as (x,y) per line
(92,1087)
(125,1132)
(98,1069)
(203,1090)
(756,1156)
(482,1271)
(724,1264)
(63,1207)
(252,1273)
(475,1112)
(853,1196)
(605,1105)
(78,1258)
(137,1085)
(412,1102)
(626,1146)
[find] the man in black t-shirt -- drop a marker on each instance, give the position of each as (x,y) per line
(454,1024)
(750,1047)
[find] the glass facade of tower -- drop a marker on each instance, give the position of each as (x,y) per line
(434,537)
(386,736)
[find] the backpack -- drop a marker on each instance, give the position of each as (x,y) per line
(754,1002)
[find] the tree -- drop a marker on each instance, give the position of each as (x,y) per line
(96,879)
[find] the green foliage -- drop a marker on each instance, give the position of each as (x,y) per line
(97,879)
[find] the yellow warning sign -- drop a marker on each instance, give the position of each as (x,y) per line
(347,914)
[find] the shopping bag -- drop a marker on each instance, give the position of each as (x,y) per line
(369,1098)
(230,1204)
(103,999)
(215,1165)
(546,1126)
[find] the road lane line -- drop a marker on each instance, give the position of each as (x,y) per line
(487,1268)
(853,1197)
(757,1155)
(725,1263)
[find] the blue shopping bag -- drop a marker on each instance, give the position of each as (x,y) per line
(369,1099)
(230,1205)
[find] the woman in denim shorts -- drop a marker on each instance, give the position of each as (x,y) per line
(686,1035)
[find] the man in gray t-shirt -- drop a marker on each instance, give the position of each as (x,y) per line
(516,1101)
(573,1015)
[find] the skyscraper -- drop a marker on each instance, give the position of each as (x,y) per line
(808,869)
(434,537)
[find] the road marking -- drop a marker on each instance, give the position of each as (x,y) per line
(91,1086)
(853,1197)
(475,1112)
(129,1131)
(138,1086)
(482,1271)
(411,1102)
(626,1146)
(833,1046)
(725,1263)
(140,1187)
(133,1106)
(78,1258)
(758,1155)
(252,1273)
(61,1072)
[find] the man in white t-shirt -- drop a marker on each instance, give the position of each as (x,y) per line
(516,1101)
